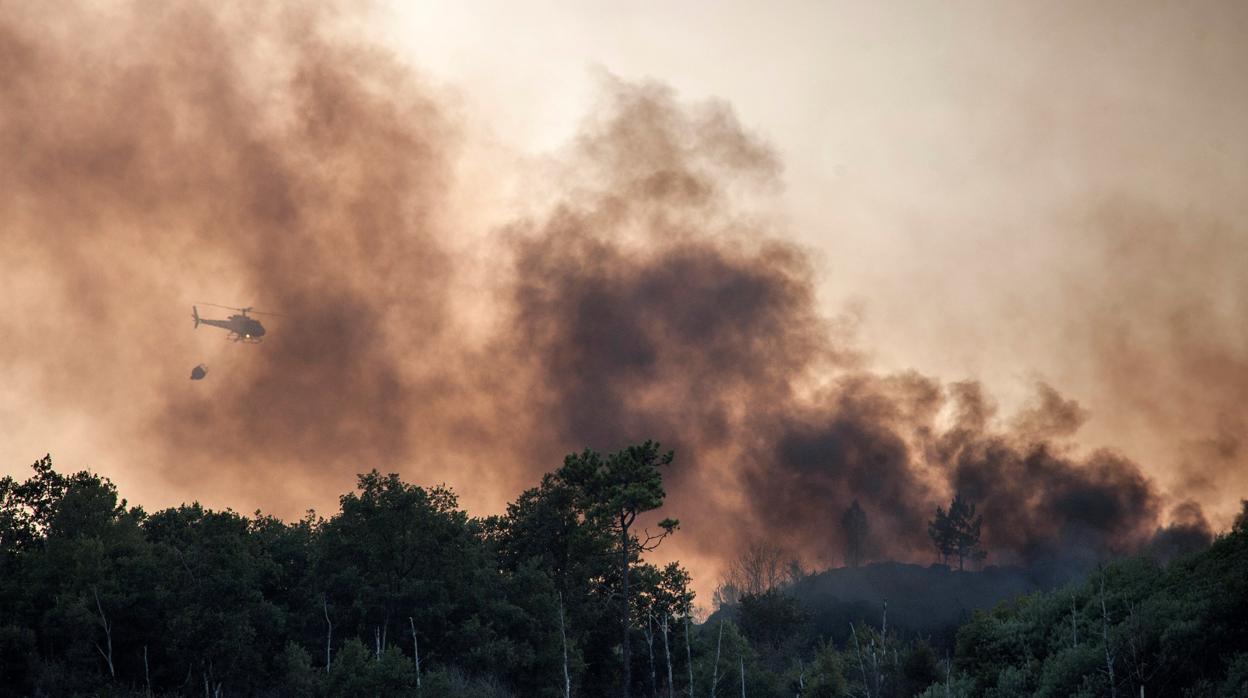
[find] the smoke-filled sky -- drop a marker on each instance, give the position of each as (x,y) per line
(883,251)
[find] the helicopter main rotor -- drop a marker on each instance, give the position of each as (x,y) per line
(244,311)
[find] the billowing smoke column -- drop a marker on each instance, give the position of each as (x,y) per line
(259,152)
(646,307)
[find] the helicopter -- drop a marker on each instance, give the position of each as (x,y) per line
(241,327)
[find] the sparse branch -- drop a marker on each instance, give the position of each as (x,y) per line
(649,541)
(108,635)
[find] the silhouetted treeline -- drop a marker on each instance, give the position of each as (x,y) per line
(400,592)
(99,597)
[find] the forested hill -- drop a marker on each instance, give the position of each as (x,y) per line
(401,593)
(1133,628)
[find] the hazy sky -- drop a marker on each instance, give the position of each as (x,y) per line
(1001,190)
(1008,193)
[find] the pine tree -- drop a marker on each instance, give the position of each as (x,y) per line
(957,532)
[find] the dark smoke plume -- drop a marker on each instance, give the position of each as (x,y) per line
(259,156)
(646,307)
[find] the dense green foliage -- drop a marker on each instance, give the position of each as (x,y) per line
(99,598)
(1181,629)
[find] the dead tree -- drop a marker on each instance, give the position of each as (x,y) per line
(654,681)
(688,656)
(329,634)
(668,656)
(377,641)
(147,677)
(563,636)
(875,668)
(211,690)
(416,648)
(108,635)
(715,673)
(1140,670)
(1109,656)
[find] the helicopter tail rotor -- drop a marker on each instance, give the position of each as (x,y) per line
(195,315)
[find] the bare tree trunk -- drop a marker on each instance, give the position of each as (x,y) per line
(715,673)
(627,648)
(688,656)
(879,677)
(801,677)
(377,641)
(668,655)
(875,668)
(567,678)
(108,635)
(329,634)
(415,650)
(650,649)
(147,677)
(741,659)
(1109,657)
(1135,645)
